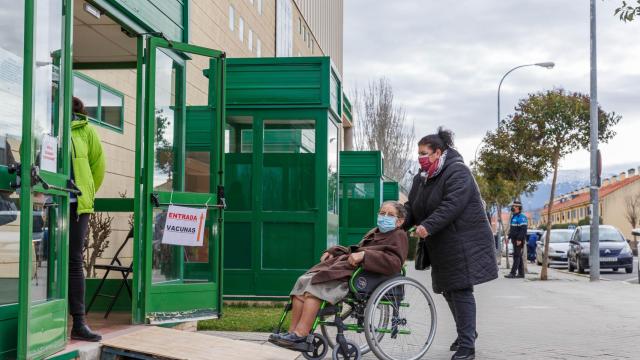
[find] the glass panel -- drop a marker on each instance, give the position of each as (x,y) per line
(46,242)
(239,162)
(165,265)
(169,260)
(11,72)
(197,172)
(111,108)
(289,165)
(165,114)
(333,148)
(9,247)
(88,93)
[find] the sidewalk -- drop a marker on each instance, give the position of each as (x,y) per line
(566,317)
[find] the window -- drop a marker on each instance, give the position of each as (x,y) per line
(305,34)
(260,7)
(300,26)
(250,40)
(241,29)
(284,28)
(103,104)
(232,15)
(258,47)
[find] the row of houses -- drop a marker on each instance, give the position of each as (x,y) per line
(619,199)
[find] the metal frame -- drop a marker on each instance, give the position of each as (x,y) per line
(145,307)
(42,326)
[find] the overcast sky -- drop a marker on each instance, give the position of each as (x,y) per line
(445,59)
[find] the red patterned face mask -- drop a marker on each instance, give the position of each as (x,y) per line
(425,163)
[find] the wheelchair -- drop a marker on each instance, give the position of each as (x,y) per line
(392,316)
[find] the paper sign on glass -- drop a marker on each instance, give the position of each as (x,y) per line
(184,226)
(49,153)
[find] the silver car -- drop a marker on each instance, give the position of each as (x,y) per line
(558,247)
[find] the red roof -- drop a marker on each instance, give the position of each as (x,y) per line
(584,198)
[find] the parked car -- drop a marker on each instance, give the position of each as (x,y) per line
(558,247)
(636,232)
(615,253)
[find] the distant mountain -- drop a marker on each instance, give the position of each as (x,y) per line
(568,180)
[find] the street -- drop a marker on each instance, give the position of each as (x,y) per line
(566,317)
(609,274)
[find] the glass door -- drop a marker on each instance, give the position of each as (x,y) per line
(36,160)
(183,83)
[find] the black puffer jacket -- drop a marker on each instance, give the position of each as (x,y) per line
(460,241)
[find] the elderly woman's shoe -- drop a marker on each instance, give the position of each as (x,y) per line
(276,336)
(292,341)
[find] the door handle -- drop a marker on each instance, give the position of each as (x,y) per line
(71,187)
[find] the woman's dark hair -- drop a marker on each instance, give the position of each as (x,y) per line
(78,106)
(442,141)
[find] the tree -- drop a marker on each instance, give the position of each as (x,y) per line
(627,12)
(496,192)
(511,167)
(562,124)
(632,213)
(382,125)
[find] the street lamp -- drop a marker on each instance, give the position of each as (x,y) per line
(547,65)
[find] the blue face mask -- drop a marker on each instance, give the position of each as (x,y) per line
(386,223)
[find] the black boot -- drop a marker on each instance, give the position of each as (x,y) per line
(81,331)
(464,354)
(455,344)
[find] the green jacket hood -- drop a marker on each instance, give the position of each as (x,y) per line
(81,121)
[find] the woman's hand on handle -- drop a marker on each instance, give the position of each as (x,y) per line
(422,232)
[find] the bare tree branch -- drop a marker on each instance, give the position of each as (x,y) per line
(381,125)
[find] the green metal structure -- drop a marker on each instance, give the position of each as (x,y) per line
(361,193)
(282,137)
(390,191)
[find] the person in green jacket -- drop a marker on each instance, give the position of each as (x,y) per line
(87,171)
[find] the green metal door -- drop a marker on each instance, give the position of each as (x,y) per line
(180,283)
(34,180)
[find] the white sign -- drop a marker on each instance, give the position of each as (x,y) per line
(184,226)
(49,153)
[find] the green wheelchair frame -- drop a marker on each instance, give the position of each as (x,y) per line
(317,345)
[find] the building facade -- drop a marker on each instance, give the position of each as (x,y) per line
(575,208)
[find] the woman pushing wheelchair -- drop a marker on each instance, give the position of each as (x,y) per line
(383,250)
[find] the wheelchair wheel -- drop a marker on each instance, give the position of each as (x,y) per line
(412,325)
(352,352)
(320,348)
(349,316)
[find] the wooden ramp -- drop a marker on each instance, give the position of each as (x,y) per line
(162,343)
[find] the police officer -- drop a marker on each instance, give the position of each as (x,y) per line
(518,235)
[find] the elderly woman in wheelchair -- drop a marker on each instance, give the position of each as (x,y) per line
(363,288)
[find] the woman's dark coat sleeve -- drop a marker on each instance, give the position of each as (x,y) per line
(458,191)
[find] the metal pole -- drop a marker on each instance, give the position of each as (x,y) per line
(594,255)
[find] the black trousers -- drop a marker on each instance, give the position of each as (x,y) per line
(462,304)
(78,227)
(518,262)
